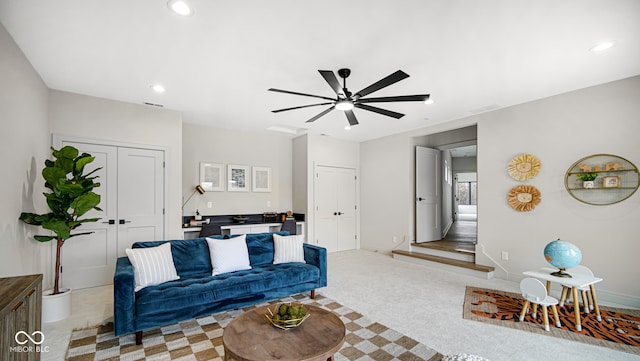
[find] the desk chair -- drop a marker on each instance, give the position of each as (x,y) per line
(535,293)
(289,225)
(585,292)
(210,229)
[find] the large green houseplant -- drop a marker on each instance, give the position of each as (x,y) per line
(70,198)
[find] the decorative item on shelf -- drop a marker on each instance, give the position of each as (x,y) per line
(611,181)
(562,255)
(197,189)
(287,315)
(524,167)
(587,179)
(240,218)
(71,197)
(523,198)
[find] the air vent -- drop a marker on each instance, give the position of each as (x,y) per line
(154,105)
(486,108)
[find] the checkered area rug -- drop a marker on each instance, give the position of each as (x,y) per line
(201,339)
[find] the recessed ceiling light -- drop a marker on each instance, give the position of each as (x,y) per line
(603,46)
(180,7)
(348,127)
(158,88)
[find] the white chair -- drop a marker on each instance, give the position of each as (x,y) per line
(535,293)
(585,292)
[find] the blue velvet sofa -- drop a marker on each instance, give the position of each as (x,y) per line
(197,293)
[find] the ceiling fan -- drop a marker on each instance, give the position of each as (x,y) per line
(346,101)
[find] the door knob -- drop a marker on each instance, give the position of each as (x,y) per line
(335,213)
(420,199)
(122,221)
(339,213)
(111,221)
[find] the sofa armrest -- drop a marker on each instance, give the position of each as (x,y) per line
(124,297)
(317,256)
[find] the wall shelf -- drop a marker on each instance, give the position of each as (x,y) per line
(617,180)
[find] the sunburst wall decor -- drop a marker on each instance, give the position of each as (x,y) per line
(524,167)
(524,198)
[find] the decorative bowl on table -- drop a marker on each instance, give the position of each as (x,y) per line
(287,315)
(562,255)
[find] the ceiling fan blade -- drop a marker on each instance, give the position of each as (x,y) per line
(399,98)
(300,107)
(351,117)
(385,82)
(303,94)
(386,112)
(319,115)
(330,77)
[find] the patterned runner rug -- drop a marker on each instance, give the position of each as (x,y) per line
(201,339)
(619,329)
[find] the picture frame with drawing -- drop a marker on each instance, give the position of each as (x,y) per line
(611,181)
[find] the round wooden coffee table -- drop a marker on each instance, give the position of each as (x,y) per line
(250,337)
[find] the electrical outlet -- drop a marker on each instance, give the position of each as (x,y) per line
(209,204)
(505,255)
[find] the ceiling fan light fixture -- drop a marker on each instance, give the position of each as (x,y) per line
(429,101)
(344,105)
(180,7)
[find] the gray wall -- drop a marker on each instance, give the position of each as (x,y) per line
(24,145)
(214,145)
(559,130)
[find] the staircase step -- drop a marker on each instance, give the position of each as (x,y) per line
(435,249)
(463,267)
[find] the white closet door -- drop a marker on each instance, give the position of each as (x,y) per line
(346,200)
(335,216)
(140,196)
(89,260)
(428,198)
(132,199)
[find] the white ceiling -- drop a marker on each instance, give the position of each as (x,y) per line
(217,64)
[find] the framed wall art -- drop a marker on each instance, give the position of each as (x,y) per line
(261,180)
(212,177)
(238,178)
(611,181)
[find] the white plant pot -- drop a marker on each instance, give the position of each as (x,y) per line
(55,307)
(587,184)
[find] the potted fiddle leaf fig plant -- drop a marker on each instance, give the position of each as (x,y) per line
(71,196)
(587,179)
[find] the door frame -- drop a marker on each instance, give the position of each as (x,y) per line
(310,226)
(58,139)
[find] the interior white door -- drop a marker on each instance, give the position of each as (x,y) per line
(428,195)
(132,199)
(336,213)
(89,260)
(346,201)
(140,196)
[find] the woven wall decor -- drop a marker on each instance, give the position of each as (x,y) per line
(524,167)
(524,198)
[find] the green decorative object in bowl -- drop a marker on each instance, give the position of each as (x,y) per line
(563,255)
(287,315)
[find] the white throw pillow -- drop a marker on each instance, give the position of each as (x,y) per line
(288,248)
(152,266)
(228,255)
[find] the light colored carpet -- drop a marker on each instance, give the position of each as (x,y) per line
(426,304)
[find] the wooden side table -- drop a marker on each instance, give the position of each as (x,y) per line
(20,310)
(250,337)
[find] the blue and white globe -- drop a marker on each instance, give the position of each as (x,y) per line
(563,255)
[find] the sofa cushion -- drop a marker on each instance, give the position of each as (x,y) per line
(152,266)
(190,256)
(228,255)
(201,289)
(260,246)
(288,248)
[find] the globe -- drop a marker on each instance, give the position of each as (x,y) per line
(562,255)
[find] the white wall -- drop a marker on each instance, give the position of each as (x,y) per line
(24,145)
(215,145)
(559,130)
(128,124)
